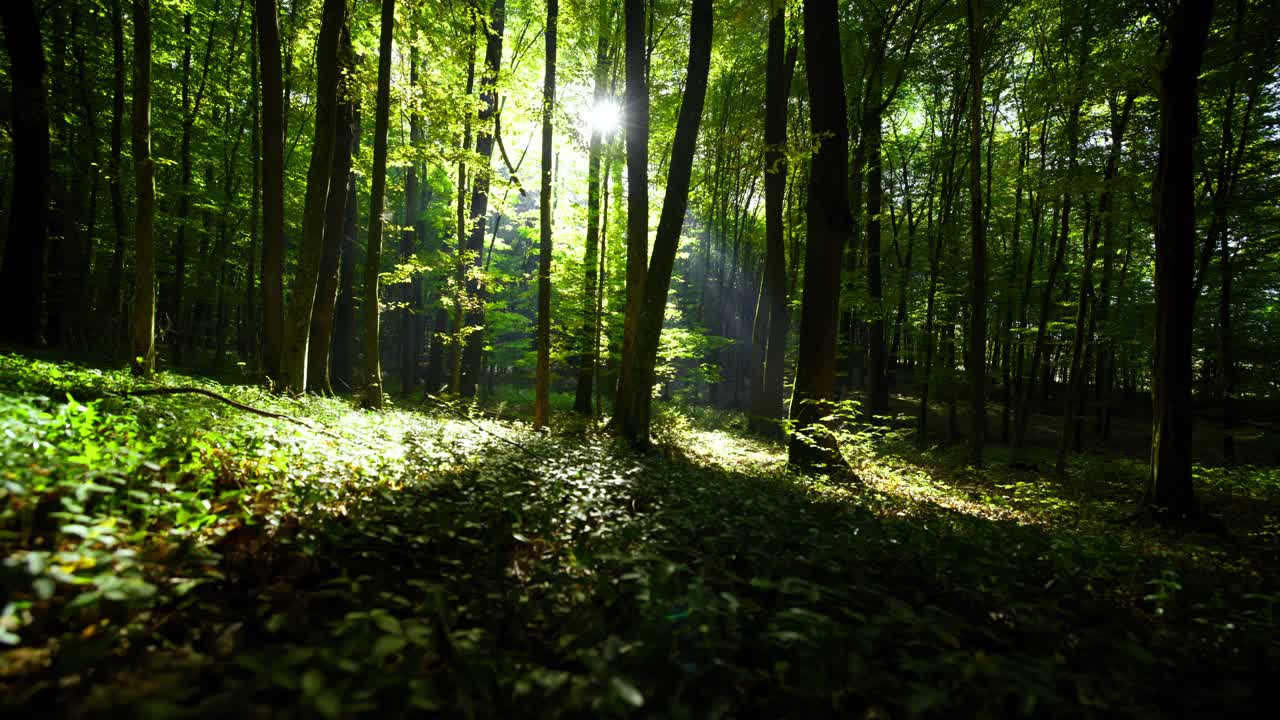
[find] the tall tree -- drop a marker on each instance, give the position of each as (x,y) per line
(542,381)
(144,286)
(251,342)
(323,326)
(976,362)
(473,351)
(634,426)
(293,361)
(191,103)
(272,186)
(767,384)
(372,396)
(111,302)
(1169,490)
(589,356)
(636,112)
(409,237)
(829,221)
(342,365)
(22,271)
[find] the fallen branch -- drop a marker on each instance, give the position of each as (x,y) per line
(461,412)
(191,390)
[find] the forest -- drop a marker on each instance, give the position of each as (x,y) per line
(639,358)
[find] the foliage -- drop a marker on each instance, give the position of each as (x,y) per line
(176,557)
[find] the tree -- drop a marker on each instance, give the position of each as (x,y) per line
(636,112)
(190,112)
(829,221)
(1169,492)
(372,396)
(323,324)
(634,426)
(592,292)
(111,304)
(976,362)
(767,384)
(473,351)
(293,361)
(272,187)
(144,286)
(22,271)
(542,400)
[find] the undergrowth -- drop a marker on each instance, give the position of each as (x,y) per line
(175,557)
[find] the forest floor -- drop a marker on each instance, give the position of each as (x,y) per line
(172,556)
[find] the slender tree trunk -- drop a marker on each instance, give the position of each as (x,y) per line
(250,342)
(343,363)
(460,279)
(829,221)
(1226,360)
(23,268)
(635,425)
(601,360)
(877,382)
(473,350)
(588,360)
(293,361)
(323,324)
(542,382)
(409,238)
(373,253)
(272,187)
(976,362)
(637,129)
(79,297)
(1015,262)
(1169,490)
(144,293)
(111,304)
(766,398)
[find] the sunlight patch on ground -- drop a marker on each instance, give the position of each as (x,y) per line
(919,488)
(734,452)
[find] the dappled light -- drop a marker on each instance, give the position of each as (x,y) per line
(888,359)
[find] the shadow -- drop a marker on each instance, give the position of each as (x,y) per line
(567,577)
(572,579)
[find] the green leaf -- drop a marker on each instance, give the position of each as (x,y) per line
(628,692)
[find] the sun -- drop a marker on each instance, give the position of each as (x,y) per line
(604,117)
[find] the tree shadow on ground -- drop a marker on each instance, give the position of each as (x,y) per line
(567,579)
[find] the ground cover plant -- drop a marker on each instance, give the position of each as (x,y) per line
(643,358)
(175,557)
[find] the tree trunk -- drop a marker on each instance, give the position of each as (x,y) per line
(323,325)
(372,397)
(1226,360)
(766,398)
(343,363)
(250,342)
(22,271)
(637,129)
(542,382)
(272,187)
(590,340)
(634,426)
(293,361)
(877,382)
(1169,492)
(829,222)
(409,238)
(144,292)
(1009,375)
(976,362)
(111,303)
(473,350)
